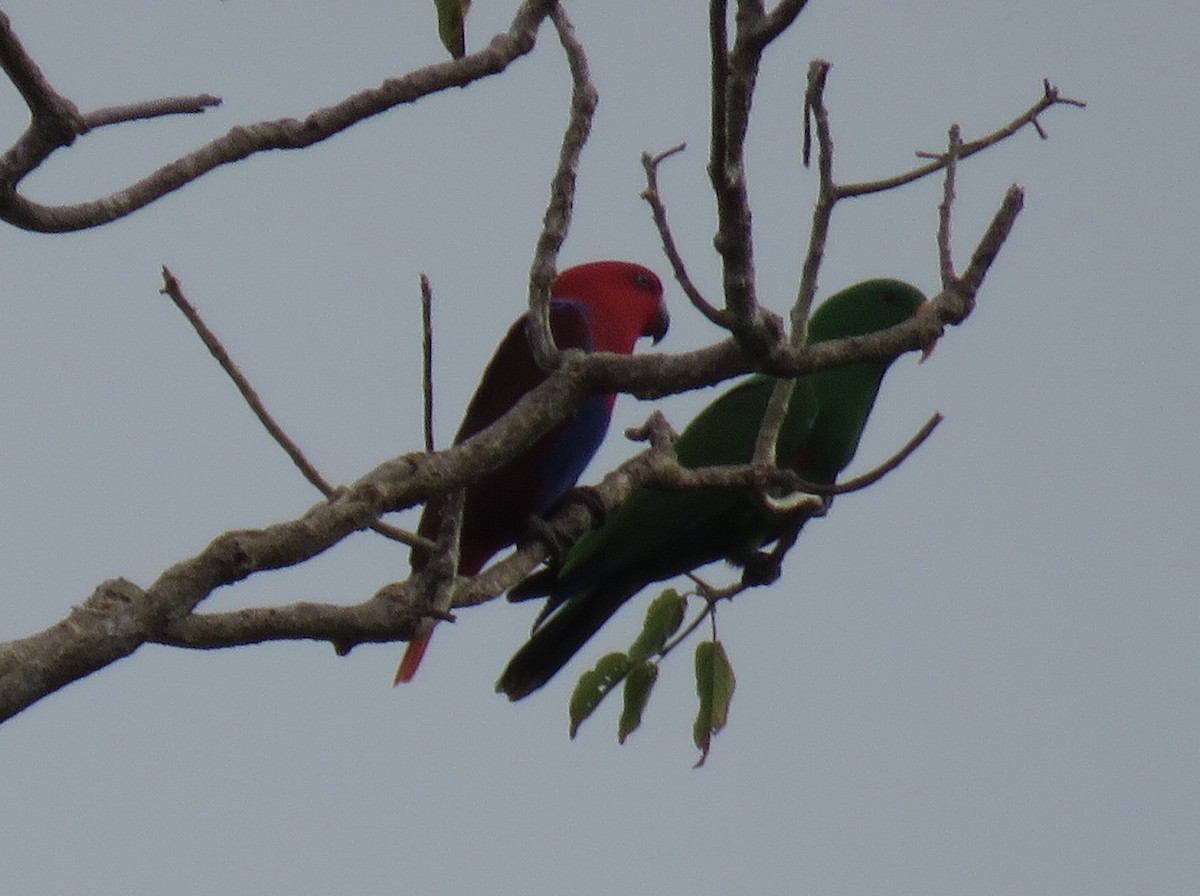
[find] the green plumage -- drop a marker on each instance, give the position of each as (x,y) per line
(658,534)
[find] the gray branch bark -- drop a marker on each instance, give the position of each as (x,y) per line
(55,123)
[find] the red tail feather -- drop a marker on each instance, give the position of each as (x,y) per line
(412,659)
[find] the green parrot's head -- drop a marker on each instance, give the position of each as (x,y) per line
(865,308)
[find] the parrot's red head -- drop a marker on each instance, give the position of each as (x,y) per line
(623,301)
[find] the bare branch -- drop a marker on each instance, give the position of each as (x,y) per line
(172,289)
(815,111)
(734,74)
(106,628)
(945,255)
(772,420)
(372,621)
(1050,97)
(777,21)
(659,211)
(45,104)
(718,35)
(858,483)
(56,124)
(557,220)
(666,472)
(989,247)
(171,105)
(427,359)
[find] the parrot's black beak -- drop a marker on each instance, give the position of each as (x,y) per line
(660,326)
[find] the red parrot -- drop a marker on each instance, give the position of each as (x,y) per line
(603,306)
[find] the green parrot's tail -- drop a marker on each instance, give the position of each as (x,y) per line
(560,637)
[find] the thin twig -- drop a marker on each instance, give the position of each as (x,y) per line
(945,254)
(704,592)
(659,211)
(427,358)
(172,289)
(718,28)
(1051,97)
(870,478)
(171,105)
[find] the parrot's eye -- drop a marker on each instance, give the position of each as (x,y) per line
(645,280)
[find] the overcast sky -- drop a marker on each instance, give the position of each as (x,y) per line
(979,676)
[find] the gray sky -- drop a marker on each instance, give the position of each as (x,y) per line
(979,676)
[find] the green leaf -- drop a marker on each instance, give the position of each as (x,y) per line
(596,684)
(663,619)
(638,684)
(450,15)
(714,686)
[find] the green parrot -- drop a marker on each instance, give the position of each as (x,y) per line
(658,534)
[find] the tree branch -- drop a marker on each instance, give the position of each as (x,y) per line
(734,75)
(171,105)
(56,123)
(45,104)
(172,289)
(659,212)
(427,361)
(1050,97)
(557,219)
(815,111)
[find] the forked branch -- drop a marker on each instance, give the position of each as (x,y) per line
(56,123)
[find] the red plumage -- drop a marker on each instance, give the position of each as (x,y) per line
(601,306)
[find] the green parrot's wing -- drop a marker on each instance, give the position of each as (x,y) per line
(662,532)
